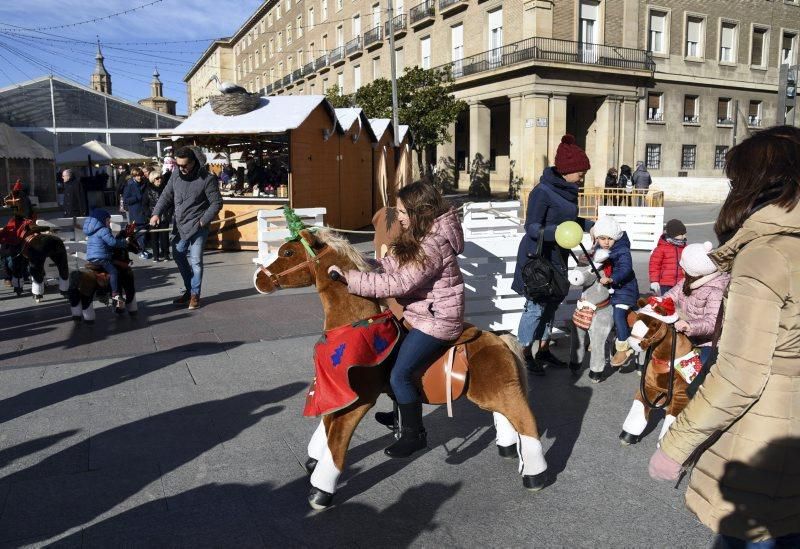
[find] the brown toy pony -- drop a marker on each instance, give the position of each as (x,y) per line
(669,352)
(496,377)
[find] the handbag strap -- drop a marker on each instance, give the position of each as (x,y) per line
(540,242)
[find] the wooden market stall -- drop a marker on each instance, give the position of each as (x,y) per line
(356,153)
(386,161)
(306,152)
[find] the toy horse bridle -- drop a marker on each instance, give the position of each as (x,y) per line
(660,334)
(312,258)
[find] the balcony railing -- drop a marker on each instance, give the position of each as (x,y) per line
(725,120)
(400,24)
(277,85)
(448,5)
(354,47)
(321,62)
(373,36)
(336,55)
(691,118)
(287,80)
(308,68)
(422,12)
(655,116)
(268,89)
(297,74)
(555,51)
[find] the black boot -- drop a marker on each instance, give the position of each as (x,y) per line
(412,434)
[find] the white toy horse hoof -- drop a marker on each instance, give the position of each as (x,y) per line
(38,298)
(534,483)
(319,499)
(627,439)
(508,452)
(310,465)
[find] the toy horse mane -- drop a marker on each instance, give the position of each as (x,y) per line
(342,246)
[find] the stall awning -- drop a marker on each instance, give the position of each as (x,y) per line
(16,145)
(276,115)
(99,153)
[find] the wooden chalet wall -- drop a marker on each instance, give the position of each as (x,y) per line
(384,143)
(355,176)
(315,166)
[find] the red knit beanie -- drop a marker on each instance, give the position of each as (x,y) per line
(570,158)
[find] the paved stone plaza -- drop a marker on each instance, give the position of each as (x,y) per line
(182,428)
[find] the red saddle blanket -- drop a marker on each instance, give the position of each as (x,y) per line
(14,231)
(367,342)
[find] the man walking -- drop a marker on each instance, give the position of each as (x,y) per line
(194,193)
(641,182)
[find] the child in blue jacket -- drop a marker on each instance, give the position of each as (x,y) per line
(622,280)
(99,246)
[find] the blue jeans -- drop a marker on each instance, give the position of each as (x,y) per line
(665,289)
(621,323)
(535,323)
(113,274)
(417,351)
(188,255)
(729,542)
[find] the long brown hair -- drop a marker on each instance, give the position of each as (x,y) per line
(687,284)
(763,169)
(424,204)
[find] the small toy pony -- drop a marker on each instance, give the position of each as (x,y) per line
(672,366)
(37,248)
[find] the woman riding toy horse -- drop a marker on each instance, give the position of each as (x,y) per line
(495,380)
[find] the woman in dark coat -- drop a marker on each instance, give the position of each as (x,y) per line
(553,201)
(159,241)
(138,204)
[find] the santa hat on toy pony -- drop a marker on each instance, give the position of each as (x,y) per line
(660,308)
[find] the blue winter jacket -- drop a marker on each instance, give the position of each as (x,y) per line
(100,240)
(137,201)
(626,289)
(550,203)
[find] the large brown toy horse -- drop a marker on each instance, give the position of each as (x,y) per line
(86,283)
(37,248)
(496,378)
(651,333)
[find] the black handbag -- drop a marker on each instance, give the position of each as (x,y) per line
(543,281)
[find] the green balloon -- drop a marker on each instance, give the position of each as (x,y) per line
(569,234)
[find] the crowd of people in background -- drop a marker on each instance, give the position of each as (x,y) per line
(631,187)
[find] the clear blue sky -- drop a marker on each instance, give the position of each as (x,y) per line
(69,52)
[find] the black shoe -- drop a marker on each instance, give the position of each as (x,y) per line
(595,377)
(550,358)
(575,367)
(412,435)
(385,418)
(535,367)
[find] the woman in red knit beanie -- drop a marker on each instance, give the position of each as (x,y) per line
(553,201)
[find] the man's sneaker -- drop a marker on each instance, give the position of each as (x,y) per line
(546,356)
(194,301)
(182,300)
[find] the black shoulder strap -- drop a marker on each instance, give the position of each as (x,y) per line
(540,242)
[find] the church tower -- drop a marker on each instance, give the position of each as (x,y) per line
(101,80)
(157,101)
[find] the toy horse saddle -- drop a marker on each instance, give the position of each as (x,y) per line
(100,275)
(446,378)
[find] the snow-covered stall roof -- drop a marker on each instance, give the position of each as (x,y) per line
(347,116)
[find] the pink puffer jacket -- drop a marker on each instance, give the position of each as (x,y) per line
(432,294)
(701,308)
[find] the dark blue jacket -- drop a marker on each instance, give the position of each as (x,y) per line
(137,201)
(550,203)
(626,289)
(100,241)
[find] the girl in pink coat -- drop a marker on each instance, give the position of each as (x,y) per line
(422,273)
(698,298)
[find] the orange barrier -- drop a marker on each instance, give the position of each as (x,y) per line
(589,200)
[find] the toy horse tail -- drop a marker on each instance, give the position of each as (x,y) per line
(519,358)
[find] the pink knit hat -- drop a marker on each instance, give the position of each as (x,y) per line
(695,260)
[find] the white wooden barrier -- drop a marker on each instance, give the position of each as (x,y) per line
(643,225)
(272,231)
(73,235)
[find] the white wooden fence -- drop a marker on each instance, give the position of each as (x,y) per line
(70,230)
(272,231)
(643,225)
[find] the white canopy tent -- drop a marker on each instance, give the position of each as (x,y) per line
(95,152)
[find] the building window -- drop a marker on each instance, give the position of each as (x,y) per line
(399,60)
(688,157)
(324,10)
(376,68)
(290,63)
(695,37)
(339,5)
(310,18)
(724,111)
(280,41)
(272,74)
(457,48)
(398,7)
(325,43)
(299,26)
(288,34)
(754,114)
(425,52)
(340,82)
(356,77)
(356,25)
(719,157)
(277,11)
(324,85)
(288,5)
(690,110)
(495,35)
(727,42)
(788,43)
(376,15)
(758,47)
(655,112)
(653,156)
(311,52)
(271,47)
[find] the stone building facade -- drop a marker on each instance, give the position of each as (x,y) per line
(673,83)
(216,60)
